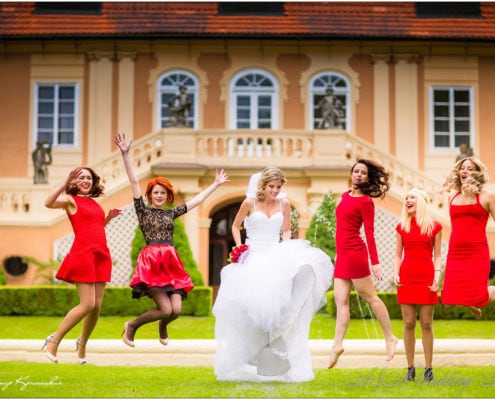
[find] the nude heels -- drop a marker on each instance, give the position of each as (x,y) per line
(79,344)
(162,331)
(126,340)
(51,339)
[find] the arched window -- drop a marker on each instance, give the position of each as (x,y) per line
(254,100)
(177,100)
(329,101)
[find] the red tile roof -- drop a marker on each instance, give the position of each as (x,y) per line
(379,20)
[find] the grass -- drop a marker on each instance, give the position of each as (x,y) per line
(186,327)
(24,380)
(40,380)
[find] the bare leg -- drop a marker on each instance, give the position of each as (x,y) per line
(409,318)
(86,305)
(364,287)
(90,320)
(491,293)
(426,321)
(342,289)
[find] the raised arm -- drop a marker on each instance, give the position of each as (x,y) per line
(57,198)
(220,178)
(124,148)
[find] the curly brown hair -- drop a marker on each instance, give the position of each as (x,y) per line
(377,184)
(474,184)
(96,189)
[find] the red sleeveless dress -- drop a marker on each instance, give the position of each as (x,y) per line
(468,259)
(416,270)
(89,259)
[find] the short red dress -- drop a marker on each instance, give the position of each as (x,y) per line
(159,266)
(417,270)
(89,259)
(351,260)
(468,259)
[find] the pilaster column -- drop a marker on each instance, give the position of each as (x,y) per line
(99,106)
(381,101)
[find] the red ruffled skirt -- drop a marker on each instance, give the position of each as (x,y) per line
(159,266)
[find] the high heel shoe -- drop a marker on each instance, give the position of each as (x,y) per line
(334,357)
(476,312)
(51,339)
(82,360)
(126,340)
(162,331)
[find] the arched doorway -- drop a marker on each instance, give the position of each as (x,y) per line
(221,242)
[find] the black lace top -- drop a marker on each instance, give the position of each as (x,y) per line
(156,224)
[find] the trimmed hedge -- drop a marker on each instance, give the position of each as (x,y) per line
(360,309)
(57,300)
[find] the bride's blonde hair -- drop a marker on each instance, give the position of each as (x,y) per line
(267,175)
(423,218)
(473,185)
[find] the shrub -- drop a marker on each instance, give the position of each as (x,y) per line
(321,231)
(57,300)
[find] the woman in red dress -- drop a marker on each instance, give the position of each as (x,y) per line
(468,259)
(88,263)
(159,271)
(352,266)
(417,275)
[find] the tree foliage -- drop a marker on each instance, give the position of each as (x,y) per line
(321,231)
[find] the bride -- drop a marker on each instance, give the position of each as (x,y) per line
(267,298)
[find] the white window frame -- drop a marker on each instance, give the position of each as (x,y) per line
(329,78)
(254,93)
(56,114)
(451,118)
(174,89)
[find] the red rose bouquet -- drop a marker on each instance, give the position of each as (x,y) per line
(236,253)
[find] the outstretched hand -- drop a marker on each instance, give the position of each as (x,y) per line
(119,141)
(73,175)
(221,177)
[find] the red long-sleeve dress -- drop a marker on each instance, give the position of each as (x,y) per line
(352,261)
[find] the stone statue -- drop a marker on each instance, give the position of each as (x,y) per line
(42,157)
(179,107)
(464,151)
(332,110)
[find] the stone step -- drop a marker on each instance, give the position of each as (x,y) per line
(358,353)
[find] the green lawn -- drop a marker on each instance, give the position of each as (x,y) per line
(46,380)
(33,380)
(187,327)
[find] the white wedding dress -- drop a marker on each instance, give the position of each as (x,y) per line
(265,305)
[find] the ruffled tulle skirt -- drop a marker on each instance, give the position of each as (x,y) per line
(264,309)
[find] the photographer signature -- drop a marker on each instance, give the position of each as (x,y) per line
(23,382)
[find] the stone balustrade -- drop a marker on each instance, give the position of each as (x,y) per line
(21,202)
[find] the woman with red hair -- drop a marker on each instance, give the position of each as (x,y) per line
(159,272)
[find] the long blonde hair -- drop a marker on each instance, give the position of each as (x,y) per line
(473,185)
(423,218)
(267,175)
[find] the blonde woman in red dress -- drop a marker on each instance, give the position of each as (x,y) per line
(159,272)
(468,259)
(418,263)
(88,263)
(353,256)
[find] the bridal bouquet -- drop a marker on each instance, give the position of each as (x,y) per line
(236,253)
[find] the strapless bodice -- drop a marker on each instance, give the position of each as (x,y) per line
(262,231)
